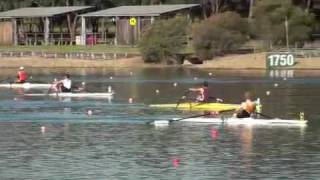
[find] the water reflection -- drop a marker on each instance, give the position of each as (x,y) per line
(41,138)
(141,85)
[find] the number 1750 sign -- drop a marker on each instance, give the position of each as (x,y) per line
(275,60)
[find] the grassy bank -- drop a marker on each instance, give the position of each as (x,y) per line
(233,62)
(71,49)
(256,61)
(40,62)
(74,48)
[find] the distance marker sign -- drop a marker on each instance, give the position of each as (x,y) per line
(133,21)
(281,59)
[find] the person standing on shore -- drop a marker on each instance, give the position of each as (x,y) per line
(22,76)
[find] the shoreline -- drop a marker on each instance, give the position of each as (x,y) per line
(230,62)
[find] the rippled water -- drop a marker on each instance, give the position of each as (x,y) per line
(50,138)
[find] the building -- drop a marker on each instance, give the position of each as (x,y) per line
(39,25)
(126,34)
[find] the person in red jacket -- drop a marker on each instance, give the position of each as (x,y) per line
(22,76)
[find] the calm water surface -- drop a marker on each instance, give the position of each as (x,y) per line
(51,138)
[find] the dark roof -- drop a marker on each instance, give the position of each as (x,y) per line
(151,10)
(41,11)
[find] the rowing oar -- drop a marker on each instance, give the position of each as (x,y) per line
(48,91)
(50,88)
(199,115)
(264,115)
(165,122)
(194,116)
(216,99)
(4,79)
(184,96)
(79,88)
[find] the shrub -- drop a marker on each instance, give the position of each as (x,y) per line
(269,22)
(163,39)
(219,33)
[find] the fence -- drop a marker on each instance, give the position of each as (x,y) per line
(64,38)
(73,55)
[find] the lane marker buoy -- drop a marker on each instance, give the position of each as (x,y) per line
(130,100)
(109,89)
(268,93)
(89,113)
(43,129)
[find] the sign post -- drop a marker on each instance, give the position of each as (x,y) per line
(133,23)
(279,60)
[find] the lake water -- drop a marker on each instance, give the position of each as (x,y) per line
(54,138)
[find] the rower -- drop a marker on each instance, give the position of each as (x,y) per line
(22,76)
(202,92)
(64,85)
(247,107)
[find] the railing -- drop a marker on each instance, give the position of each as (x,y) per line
(100,38)
(64,38)
(69,55)
(38,39)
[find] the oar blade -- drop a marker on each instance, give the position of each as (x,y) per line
(167,122)
(183,97)
(161,123)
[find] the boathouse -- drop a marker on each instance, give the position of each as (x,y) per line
(40,25)
(126,32)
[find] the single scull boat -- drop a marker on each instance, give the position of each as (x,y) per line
(199,106)
(75,94)
(26,85)
(236,121)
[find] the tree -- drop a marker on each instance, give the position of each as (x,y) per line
(161,41)
(306,4)
(251,9)
(219,33)
(275,20)
(211,7)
